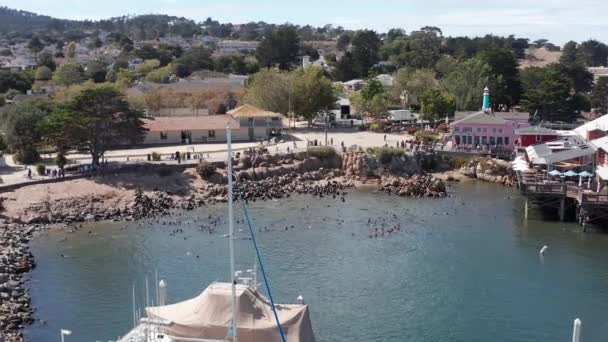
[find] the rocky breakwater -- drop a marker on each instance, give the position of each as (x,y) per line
(415,186)
(490,170)
(266,177)
(15,261)
(396,172)
(376,163)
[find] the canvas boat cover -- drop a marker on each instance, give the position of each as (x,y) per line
(209,315)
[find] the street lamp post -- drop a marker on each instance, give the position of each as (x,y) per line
(65,332)
(326,124)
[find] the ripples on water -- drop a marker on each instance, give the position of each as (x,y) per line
(465,268)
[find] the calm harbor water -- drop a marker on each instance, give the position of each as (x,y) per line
(464,268)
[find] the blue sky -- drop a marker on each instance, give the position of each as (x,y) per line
(556,20)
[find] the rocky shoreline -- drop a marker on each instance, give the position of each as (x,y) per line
(15,262)
(262,178)
(490,170)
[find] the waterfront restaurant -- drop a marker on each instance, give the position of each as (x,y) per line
(487,129)
(567,153)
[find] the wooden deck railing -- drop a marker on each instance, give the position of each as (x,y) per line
(594,198)
(545,188)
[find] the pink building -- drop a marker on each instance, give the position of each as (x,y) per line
(485,128)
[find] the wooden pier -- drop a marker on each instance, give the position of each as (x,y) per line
(589,205)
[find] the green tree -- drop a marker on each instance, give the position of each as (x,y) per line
(68,74)
(35,45)
(445,65)
(97,42)
(371,100)
(96,120)
(599,95)
(467,82)
(421,49)
(414,82)
(548,94)
(581,80)
(43,73)
(147,52)
(343,42)
(161,75)
(279,48)
(365,52)
(71,50)
(96,70)
(147,66)
(569,53)
(344,69)
(124,78)
(271,89)
(504,81)
(14,80)
(21,124)
(197,58)
(593,53)
(313,92)
(46,59)
(436,104)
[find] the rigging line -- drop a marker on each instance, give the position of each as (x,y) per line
(257,252)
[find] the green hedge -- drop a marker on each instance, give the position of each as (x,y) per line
(321,152)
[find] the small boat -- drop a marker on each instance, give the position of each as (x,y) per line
(233,311)
(208,317)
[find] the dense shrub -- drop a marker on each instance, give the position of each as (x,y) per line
(321,152)
(155,156)
(425,136)
(376,127)
(205,169)
(41,169)
(385,154)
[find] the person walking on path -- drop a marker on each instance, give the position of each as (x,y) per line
(385,137)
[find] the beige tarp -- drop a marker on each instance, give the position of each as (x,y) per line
(208,316)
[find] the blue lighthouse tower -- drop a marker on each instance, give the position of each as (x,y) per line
(486,100)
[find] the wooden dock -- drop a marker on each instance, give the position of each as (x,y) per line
(589,205)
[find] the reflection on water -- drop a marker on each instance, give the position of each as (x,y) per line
(465,268)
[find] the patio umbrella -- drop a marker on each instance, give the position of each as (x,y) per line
(585,174)
(570,174)
(554,173)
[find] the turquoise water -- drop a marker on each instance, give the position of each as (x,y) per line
(464,268)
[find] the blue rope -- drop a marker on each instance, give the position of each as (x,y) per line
(257,251)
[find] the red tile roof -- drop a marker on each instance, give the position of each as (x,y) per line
(190,123)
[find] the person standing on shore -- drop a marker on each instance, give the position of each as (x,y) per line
(29,173)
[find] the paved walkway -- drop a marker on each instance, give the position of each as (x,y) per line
(213,152)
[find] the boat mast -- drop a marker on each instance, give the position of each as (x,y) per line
(231,235)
